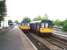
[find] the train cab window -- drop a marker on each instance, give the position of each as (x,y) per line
(23,24)
(46,25)
(28,24)
(42,24)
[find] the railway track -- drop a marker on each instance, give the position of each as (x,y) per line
(48,43)
(37,43)
(59,43)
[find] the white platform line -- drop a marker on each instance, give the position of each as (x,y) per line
(31,42)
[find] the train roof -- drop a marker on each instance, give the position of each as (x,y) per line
(24,22)
(42,21)
(35,21)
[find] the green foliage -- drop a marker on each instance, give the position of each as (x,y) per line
(1,18)
(57,22)
(2,9)
(0,23)
(26,19)
(64,25)
(45,17)
(16,21)
(37,18)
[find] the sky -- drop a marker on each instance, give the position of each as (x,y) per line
(55,9)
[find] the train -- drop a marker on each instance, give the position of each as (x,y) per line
(24,26)
(42,27)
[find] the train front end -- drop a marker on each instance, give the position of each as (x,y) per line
(46,27)
(25,27)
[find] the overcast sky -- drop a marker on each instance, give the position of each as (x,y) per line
(32,8)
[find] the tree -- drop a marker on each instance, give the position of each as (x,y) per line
(26,19)
(45,17)
(16,21)
(1,18)
(2,10)
(37,18)
(64,25)
(57,22)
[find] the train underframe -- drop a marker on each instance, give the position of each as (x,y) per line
(41,33)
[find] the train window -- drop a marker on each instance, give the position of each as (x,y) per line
(28,24)
(46,25)
(22,23)
(42,24)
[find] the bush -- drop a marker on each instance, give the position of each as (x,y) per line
(64,26)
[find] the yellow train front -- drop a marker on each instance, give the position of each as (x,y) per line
(46,27)
(25,27)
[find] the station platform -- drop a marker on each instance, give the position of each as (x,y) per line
(27,44)
(15,39)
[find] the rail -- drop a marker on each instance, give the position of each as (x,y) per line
(51,43)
